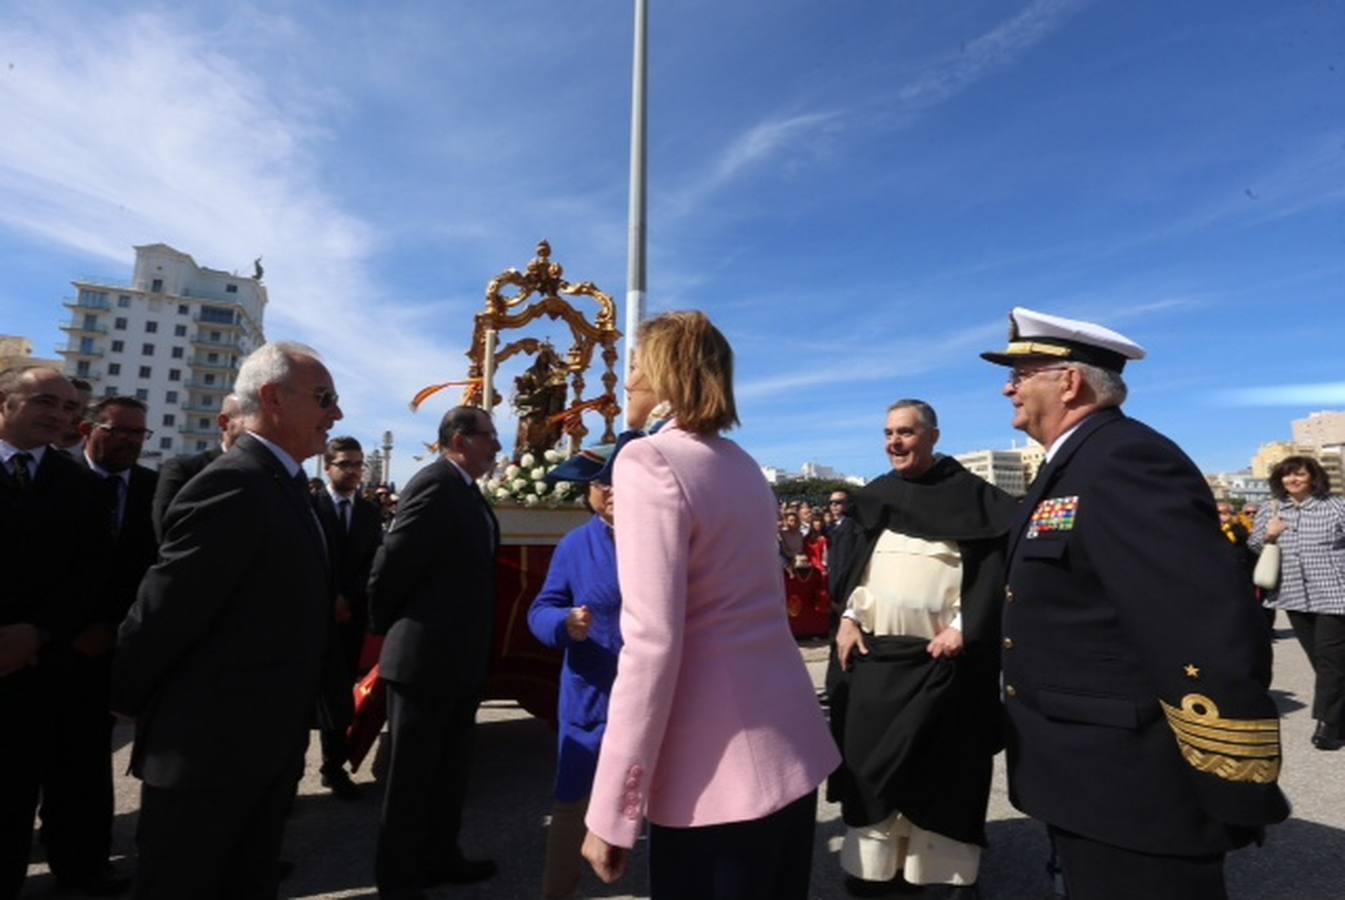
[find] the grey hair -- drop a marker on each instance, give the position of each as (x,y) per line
(928,418)
(271,363)
(1108,387)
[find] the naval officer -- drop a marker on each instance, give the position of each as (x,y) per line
(1136,670)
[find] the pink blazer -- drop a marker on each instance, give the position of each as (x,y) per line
(713,717)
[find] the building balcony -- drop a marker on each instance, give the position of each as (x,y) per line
(78,328)
(232,343)
(210,323)
(203,409)
(87,303)
(221,366)
(193,384)
(192,427)
(75,351)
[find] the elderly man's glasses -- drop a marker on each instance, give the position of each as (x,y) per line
(1018,376)
(135,434)
(326,397)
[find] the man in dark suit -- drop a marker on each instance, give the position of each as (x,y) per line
(1136,668)
(78,799)
(432,592)
(49,518)
(221,657)
(176,472)
(354,529)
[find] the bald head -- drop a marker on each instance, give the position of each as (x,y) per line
(37,404)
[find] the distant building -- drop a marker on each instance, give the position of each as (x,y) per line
(173,337)
(818,472)
(1332,458)
(1320,429)
(1241,487)
(1272,453)
(773,474)
(1002,468)
(16,350)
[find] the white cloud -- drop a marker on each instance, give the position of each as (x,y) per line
(988,53)
(170,138)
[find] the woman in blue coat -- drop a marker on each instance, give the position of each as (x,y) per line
(577,611)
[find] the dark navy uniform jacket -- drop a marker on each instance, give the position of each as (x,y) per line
(1136,666)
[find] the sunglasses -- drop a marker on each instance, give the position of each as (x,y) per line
(326,397)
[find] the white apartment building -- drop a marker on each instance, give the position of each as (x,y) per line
(1002,468)
(173,337)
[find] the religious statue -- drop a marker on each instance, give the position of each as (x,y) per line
(539,400)
(258,271)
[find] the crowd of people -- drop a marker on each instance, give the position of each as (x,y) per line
(962,622)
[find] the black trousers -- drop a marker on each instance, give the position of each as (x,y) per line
(426,787)
(1096,871)
(212,844)
(23,712)
(77,796)
(1322,636)
(770,858)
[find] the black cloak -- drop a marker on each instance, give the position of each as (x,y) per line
(919,734)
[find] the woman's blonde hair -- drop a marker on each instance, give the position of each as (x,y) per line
(689,364)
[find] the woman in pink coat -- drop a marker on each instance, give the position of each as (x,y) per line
(714,732)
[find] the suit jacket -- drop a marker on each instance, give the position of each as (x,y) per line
(221,655)
(352,551)
(55,539)
(173,474)
(135,546)
(713,717)
(1135,663)
(432,587)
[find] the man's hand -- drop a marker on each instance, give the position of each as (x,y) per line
(849,639)
(608,862)
(946,643)
(1274,528)
(578,622)
(18,647)
(343,609)
(97,639)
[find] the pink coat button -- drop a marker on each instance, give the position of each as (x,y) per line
(632,813)
(636,771)
(632,783)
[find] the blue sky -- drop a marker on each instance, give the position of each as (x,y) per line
(856,191)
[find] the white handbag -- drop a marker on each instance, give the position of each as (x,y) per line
(1266,575)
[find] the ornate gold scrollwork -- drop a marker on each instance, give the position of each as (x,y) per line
(544,279)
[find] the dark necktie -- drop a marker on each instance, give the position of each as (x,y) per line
(343,511)
(112,486)
(22,476)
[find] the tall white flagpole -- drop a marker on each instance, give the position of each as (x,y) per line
(635,270)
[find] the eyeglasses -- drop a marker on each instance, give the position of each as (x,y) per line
(326,397)
(494,436)
(347,465)
(135,434)
(835,502)
(1017,376)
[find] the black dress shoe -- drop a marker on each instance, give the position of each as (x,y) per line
(105,882)
(1327,737)
(463,871)
(339,783)
(859,887)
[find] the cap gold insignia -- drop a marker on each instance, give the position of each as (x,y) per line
(1239,750)
(1192,670)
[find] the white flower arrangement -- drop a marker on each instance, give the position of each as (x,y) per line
(522,483)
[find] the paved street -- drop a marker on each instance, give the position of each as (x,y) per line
(332,842)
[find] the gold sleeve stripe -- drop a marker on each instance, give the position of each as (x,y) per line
(1239,750)
(1031,348)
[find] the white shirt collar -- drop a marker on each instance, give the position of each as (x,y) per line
(124,474)
(1060,441)
(7,451)
(285,459)
(461,471)
(337,497)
